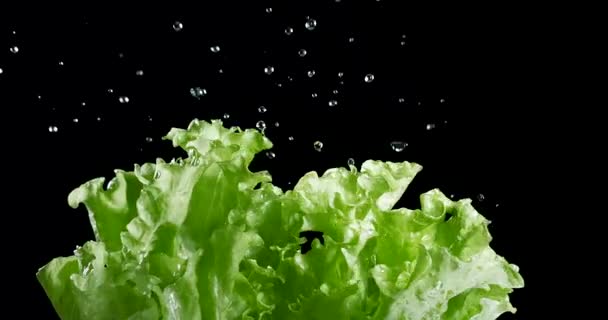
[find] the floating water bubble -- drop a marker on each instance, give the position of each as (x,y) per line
(53,129)
(335,91)
(261,125)
(268,10)
(332,103)
(139,73)
(98,119)
(1,71)
(178,26)
(39,97)
(270,155)
(288,31)
(121,55)
(110,90)
(318,145)
(14,49)
(497,205)
(276,124)
(123,99)
(369,78)
(351,39)
(14,32)
(314,95)
(262,109)
(350,161)
(398,146)
(442,100)
(302,52)
(290,138)
(215,49)
(481,197)
(149,139)
(401,100)
(402,43)
(83,103)
(269,70)
(340,74)
(430,126)
(226,116)
(61,63)
(198,92)
(150,119)
(310,73)
(289,78)
(279,85)
(310,24)
(75,120)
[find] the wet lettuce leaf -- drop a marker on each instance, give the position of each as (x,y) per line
(205,238)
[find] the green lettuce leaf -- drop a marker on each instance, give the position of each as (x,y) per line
(205,238)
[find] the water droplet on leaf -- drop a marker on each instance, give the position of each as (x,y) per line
(177,26)
(261,125)
(318,145)
(310,24)
(398,146)
(198,92)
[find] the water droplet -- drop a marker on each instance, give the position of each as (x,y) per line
(61,63)
(369,78)
(215,49)
(335,91)
(157,175)
(341,82)
(39,97)
(123,99)
(269,70)
(226,116)
(318,145)
(310,73)
(1,71)
(14,49)
(53,129)
(290,138)
(314,95)
(270,155)
(83,103)
(430,126)
(121,55)
(442,100)
(403,36)
(497,205)
(261,125)
(110,90)
(279,85)
(350,161)
(178,26)
(262,109)
(198,92)
(14,32)
(75,120)
(220,71)
(268,10)
(98,119)
(340,74)
(401,100)
(302,52)
(398,146)
(139,73)
(149,118)
(351,39)
(311,24)
(276,124)
(289,78)
(332,103)
(402,43)
(288,31)
(149,139)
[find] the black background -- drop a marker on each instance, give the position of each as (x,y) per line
(467,71)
